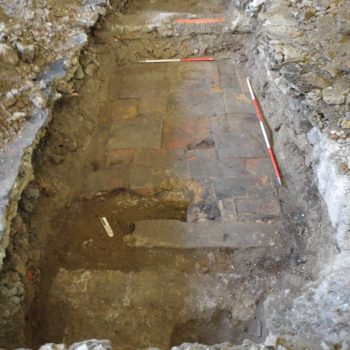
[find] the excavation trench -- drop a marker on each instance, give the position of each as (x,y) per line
(172,156)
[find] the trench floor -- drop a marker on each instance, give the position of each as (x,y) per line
(175,162)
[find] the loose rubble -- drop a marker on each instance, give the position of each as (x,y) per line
(38,56)
(303,86)
(84,345)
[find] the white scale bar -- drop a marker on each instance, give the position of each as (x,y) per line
(107,227)
(161,61)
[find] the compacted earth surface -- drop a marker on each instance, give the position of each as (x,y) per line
(172,156)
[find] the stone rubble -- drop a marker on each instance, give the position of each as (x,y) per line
(301,75)
(39,60)
(271,343)
(92,344)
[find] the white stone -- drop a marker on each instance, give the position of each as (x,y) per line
(333,96)
(27,52)
(39,101)
(52,346)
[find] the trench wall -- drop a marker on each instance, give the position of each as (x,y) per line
(305,98)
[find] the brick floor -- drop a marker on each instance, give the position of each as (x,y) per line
(187,123)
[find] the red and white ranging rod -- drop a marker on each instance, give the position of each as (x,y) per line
(182,60)
(259,114)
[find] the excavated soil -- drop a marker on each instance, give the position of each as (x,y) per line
(173,157)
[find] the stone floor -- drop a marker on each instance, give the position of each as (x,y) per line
(168,125)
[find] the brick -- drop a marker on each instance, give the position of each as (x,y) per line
(258,208)
(238,102)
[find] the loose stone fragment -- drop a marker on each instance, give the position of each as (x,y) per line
(52,346)
(27,52)
(345,123)
(321,5)
(344,21)
(333,96)
(39,102)
(92,345)
(8,55)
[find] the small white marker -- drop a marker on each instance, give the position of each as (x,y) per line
(107,227)
(182,60)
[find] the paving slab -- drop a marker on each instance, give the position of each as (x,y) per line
(146,177)
(209,234)
(228,77)
(158,158)
(182,132)
(190,103)
(202,77)
(209,169)
(238,102)
(239,137)
(119,110)
(232,167)
(140,132)
(241,186)
(107,180)
(144,81)
(202,154)
(242,78)
(215,168)
(259,167)
(194,71)
(153,104)
(119,157)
